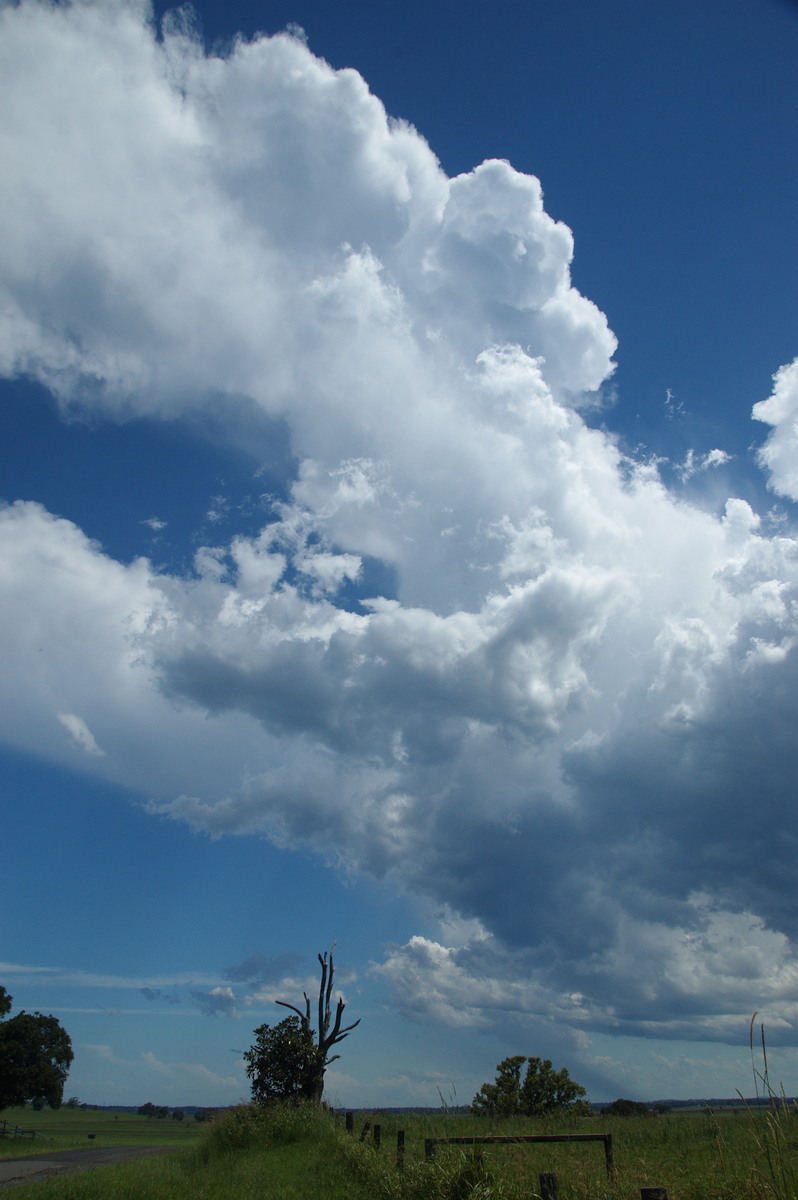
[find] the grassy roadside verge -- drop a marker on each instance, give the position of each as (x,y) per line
(303,1153)
(287,1154)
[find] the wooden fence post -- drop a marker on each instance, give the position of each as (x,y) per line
(608,1159)
(365,1130)
(350,1122)
(549,1187)
(377,1136)
(400,1149)
(654,1193)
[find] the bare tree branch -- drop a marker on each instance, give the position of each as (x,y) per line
(325,1038)
(303,1016)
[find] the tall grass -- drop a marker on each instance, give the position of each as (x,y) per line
(699,1155)
(776,1170)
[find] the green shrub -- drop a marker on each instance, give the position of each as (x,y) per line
(295,1120)
(259,1126)
(234,1129)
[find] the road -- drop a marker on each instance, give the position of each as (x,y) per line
(37,1167)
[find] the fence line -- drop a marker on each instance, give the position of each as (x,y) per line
(549,1187)
(508,1139)
(497,1140)
(9,1129)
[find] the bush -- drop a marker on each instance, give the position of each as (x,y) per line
(236,1128)
(249,1126)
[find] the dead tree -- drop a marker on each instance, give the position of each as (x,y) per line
(326,1037)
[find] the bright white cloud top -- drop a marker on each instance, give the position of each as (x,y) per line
(567,713)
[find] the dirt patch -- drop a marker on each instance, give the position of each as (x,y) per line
(38,1167)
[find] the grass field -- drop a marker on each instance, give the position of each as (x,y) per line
(305,1154)
(69,1129)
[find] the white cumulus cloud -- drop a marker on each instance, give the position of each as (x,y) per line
(569,709)
(779,455)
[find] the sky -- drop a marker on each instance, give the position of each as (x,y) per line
(398,541)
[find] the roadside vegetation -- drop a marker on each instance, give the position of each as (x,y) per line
(301,1151)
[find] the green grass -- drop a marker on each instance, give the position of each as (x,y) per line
(69,1129)
(695,1156)
(302,1153)
(247,1154)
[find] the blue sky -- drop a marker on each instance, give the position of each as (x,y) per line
(388,553)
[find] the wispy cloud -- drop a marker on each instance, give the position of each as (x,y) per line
(219,1001)
(152,987)
(80,733)
(695,463)
(263,969)
(154,994)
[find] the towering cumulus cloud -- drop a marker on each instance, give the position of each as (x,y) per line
(569,715)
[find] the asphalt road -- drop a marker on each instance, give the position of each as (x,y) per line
(37,1167)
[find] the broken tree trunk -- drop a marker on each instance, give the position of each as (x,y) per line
(326,1037)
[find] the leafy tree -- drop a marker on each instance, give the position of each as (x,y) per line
(283,1063)
(543,1090)
(35,1057)
(502,1098)
(290,1058)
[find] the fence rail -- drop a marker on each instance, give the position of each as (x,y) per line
(9,1129)
(508,1139)
(549,1187)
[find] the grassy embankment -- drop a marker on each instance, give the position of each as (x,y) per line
(304,1154)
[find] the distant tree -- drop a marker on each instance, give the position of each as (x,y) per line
(502,1098)
(147,1110)
(626,1108)
(542,1092)
(72,1102)
(35,1057)
(290,1058)
(5,1002)
(204,1114)
(178,1115)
